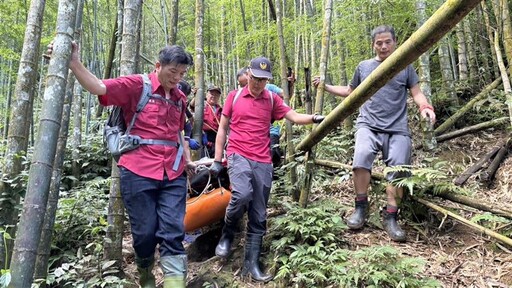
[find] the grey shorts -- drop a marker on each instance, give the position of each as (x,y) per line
(396,150)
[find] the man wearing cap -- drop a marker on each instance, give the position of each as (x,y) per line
(211,118)
(275,127)
(249,160)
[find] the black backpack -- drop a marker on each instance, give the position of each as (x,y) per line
(117,137)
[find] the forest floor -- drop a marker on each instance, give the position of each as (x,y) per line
(455,255)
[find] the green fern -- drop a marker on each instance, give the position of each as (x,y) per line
(489,220)
(421,179)
(311,254)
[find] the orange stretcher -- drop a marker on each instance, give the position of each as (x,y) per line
(207,208)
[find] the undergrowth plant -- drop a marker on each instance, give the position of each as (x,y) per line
(89,270)
(5,273)
(77,249)
(423,179)
(310,252)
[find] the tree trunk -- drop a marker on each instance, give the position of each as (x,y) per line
(173,35)
(272,9)
(226,76)
(319,103)
(77,132)
(506,81)
(447,71)
(462,54)
(472,61)
(43,251)
(7,105)
(244,22)
(489,29)
(507,32)
(17,139)
(36,198)
(348,123)
(112,248)
(164,19)
(199,70)
(501,13)
(109,63)
(483,44)
(286,93)
(444,19)
(424,60)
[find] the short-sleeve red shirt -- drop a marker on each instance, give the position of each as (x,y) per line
(250,117)
(158,120)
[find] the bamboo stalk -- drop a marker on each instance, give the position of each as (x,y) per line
(462,220)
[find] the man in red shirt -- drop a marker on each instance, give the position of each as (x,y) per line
(249,159)
(211,118)
(153,178)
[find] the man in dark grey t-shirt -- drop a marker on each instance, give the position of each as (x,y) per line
(382,126)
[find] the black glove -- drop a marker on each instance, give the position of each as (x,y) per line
(216,168)
(318,118)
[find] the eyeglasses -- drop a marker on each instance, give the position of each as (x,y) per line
(256,79)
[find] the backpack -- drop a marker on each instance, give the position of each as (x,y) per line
(117,137)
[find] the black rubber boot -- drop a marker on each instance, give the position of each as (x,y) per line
(224,246)
(358,217)
(389,222)
(252,257)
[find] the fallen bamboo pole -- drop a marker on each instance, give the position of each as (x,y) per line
(467,130)
(461,199)
(478,204)
(475,128)
(463,220)
(451,121)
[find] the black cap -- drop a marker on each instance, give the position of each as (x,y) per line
(184,87)
(214,88)
(261,67)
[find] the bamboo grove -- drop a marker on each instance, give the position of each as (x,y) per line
(462,50)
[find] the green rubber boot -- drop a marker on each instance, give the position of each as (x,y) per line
(174,282)
(175,271)
(146,277)
(145,268)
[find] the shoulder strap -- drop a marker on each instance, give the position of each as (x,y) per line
(236,97)
(240,92)
(271,99)
(179,155)
(144,99)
